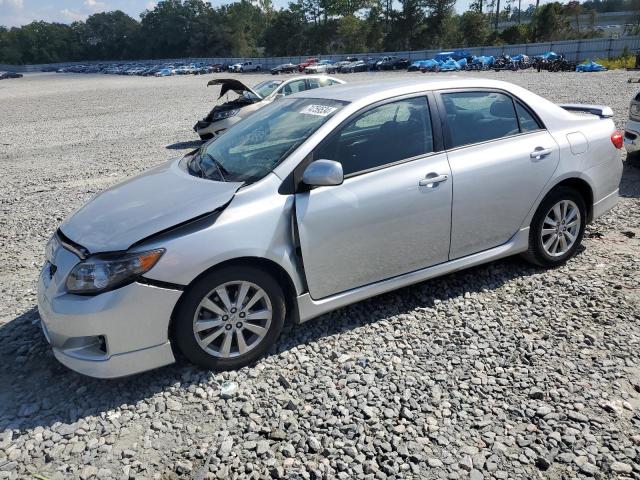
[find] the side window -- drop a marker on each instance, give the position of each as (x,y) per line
(479,116)
(319,82)
(527,122)
(314,83)
(380,136)
(294,87)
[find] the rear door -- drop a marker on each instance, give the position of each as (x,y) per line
(391,215)
(501,157)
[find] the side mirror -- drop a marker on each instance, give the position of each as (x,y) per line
(323,173)
(279,95)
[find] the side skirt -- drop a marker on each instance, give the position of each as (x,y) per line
(309,308)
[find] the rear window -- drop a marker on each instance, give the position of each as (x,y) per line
(528,123)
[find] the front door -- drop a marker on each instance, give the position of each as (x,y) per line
(391,215)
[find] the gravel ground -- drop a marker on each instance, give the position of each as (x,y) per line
(502,371)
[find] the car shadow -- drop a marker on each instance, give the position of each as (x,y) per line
(32,381)
(184,145)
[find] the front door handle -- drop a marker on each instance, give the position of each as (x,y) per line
(432,180)
(540,152)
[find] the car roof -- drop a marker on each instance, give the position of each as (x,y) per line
(381,89)
(306,77)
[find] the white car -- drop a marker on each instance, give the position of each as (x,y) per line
(224,115)
(632,129)
(323,66)
(247,66)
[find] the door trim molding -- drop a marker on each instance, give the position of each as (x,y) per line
(309,308)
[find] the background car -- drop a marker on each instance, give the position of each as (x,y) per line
(393,63)
(322,66)
(632,130)
(7,75)
(284,68)
(248,100)
(357,66)
(304,64)
(164,72)
(247,66)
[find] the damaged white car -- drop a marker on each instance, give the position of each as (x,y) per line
(250,99)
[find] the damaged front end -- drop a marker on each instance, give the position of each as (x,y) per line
(207,127)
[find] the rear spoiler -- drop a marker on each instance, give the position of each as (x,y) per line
(599,110)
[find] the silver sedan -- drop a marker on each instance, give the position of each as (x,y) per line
(314,202)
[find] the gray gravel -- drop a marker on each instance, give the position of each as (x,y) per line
(502,371)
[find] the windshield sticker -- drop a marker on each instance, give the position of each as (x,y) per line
(319,110)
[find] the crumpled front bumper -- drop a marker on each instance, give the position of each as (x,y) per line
(114,334)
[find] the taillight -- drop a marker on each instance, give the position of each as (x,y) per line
(617,139)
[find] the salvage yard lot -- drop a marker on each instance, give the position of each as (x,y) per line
(501,371)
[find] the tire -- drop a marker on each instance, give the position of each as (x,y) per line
(567,200)
(191,311)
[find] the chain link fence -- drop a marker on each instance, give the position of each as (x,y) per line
(575,50)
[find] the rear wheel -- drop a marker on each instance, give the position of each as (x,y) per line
(230,318)
(557,228)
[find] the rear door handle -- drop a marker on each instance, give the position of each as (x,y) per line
(433,179)
(540,152)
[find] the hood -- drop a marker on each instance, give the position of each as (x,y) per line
(149,203)
(230,84)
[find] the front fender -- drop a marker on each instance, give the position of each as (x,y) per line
(256,223)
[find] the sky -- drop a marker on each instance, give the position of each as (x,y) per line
(20,12)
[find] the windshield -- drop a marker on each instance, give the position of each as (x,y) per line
(253,147)
(263,89)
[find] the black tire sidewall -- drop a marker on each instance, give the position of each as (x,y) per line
(536,248)
(183,316)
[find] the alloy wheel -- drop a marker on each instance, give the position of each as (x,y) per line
(560,228)
(232,319)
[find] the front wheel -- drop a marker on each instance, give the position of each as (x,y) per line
(557,228)
(230,318)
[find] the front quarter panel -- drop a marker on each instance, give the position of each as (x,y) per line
(256,223)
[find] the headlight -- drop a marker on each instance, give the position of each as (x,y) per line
(225,114)
(97,274)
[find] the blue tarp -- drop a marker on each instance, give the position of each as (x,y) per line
(485,60)
(443,56)
(590,66)
(454,54)
(428,64)
(549,56)
(450,66)
(517,58)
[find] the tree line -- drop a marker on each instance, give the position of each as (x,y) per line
(193,28)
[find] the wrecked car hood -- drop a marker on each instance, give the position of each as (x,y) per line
(149,203)
(233,85)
